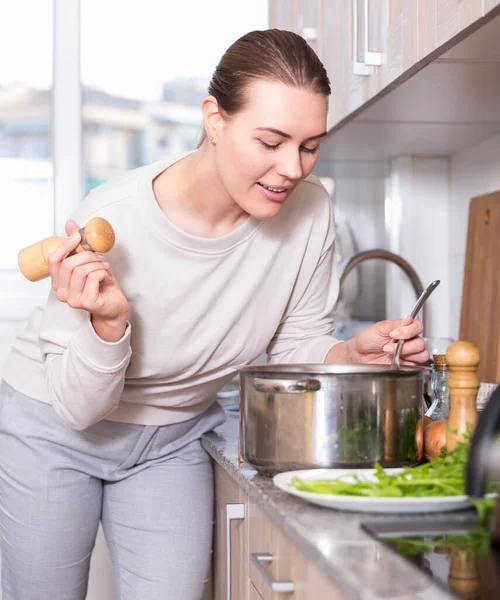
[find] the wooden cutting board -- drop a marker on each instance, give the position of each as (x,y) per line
(480,313)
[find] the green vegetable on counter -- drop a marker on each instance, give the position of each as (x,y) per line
(444,476)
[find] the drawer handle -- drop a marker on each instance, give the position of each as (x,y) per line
(257,559)
(233,512)
(371,57)
(286,386)
(358,67)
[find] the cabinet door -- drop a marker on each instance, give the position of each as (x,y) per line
(310,23)
(277,560)
(401,40)
(231,539)
(348,88)
(283,14)
(490,5)
(254,594)
(440,20)
(300,16)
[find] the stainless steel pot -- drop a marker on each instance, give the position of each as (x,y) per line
(310,416)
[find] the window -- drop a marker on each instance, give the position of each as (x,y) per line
(146,65)
(124,78)
(26,170)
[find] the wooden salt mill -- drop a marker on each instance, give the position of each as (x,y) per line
(97,236)
(463,383)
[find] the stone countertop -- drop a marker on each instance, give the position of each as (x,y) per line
(359,566)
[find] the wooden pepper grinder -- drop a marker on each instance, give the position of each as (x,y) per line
(97,235)
(463,383)
(464,574)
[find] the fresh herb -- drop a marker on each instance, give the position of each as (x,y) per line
(475,543)
(444,476)
(407,441)
(355,442)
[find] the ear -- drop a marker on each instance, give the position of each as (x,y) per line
(212,117)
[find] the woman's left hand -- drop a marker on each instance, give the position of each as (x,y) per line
(377,343)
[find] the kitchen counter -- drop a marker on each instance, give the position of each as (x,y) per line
(360,566)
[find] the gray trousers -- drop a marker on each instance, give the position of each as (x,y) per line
(152,488)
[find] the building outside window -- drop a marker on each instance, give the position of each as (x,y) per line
(138,70)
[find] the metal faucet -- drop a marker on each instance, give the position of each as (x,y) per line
(350,263)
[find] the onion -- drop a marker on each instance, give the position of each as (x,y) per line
(434,438)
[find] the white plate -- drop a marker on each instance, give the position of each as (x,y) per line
(364,504)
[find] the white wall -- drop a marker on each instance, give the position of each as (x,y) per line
(428,207)
(417,205)
(361,201)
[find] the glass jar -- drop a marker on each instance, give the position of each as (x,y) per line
(440,407)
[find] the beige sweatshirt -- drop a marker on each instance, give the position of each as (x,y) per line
(199,309)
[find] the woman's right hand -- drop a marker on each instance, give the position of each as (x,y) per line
(86,282)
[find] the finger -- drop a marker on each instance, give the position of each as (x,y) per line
(55,258)
(91,296)
(414,346)
(389,348)
(71,226)
(416,359)
(386,328)
(79,279)
(65,271)
(406,332)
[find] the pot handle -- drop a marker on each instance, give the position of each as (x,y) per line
(286,386)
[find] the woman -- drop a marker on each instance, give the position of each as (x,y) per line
(220,255)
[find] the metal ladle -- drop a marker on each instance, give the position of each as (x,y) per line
(418,305)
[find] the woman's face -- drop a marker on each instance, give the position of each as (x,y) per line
(267,148)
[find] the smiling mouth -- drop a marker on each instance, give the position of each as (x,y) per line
(273,189)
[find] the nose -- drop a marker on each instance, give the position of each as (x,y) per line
(290,165)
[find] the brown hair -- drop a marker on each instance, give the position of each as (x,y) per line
(273,55)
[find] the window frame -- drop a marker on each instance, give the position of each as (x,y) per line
(18,296)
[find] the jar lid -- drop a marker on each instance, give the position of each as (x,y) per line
(440,361)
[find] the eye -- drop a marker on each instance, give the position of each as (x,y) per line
(269,146)
(309,150)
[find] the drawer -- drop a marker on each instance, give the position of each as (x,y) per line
(275,561)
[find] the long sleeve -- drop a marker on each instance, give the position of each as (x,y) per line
(199,308)
(305,333)
(85,375)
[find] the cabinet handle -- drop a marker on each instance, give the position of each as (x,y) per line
(358,67)
(310,34)
(371,58)
(233,512)
(257,559)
